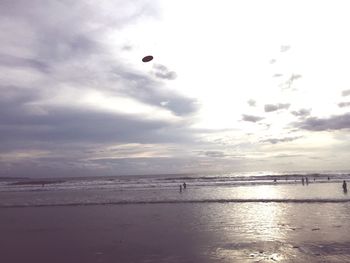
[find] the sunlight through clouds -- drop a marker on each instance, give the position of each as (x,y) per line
(231,82)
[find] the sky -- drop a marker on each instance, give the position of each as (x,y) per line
(234,86)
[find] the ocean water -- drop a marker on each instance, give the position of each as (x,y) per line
(217,218)
(253,187)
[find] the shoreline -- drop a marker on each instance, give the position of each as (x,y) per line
(150,202)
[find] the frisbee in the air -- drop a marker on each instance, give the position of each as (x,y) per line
(147,58)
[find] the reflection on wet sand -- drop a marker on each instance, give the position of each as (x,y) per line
(202,232)
(275,232)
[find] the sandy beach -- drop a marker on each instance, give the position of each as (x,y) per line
(238,232)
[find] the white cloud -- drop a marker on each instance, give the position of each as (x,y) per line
(73,77)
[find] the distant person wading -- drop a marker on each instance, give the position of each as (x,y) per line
(345,187)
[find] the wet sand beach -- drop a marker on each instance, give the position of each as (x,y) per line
(183,232)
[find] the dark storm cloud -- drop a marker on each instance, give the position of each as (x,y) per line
(251,103)
(279,140)
(13,96)
(158,165)
(162,72)
(57,30)
(337,122)
(182,106)
(64,42)
(345,93)
(26,125)
(275,107)
(61,49)
(56,34)
(83,125)
(12,61)
(344,104)
(145,89)
(67,42)
(251,118)
(14,102)
(301,112)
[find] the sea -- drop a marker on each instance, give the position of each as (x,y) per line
(168,188)
(231,217)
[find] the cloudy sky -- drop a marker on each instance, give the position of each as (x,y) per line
(234,86)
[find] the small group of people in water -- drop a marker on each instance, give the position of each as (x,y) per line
(183,186)
(306,181)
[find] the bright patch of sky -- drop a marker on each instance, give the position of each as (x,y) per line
(240,85)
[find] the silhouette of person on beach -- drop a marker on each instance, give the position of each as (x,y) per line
(302,180)
(307,181)
(184,185)
(180,188)
(328,178)
(345,187)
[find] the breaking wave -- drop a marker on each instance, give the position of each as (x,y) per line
(149,202)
